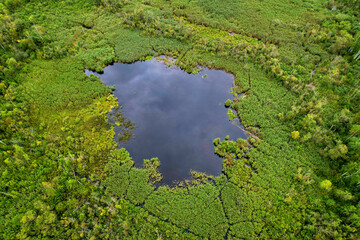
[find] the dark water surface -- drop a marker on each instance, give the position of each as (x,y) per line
(177,115)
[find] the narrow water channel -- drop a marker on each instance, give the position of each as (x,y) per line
(177,115)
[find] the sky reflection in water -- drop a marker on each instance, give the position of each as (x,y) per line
(177,115)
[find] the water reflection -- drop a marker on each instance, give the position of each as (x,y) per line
(177,115)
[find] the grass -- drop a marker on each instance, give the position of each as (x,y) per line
(275,195)
(61,83)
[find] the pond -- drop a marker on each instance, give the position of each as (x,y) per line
(176,115)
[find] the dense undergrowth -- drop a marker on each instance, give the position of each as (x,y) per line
(296,91)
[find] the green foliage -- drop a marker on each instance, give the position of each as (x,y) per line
(216,141)
(244,230)
(48,84)
(295,135)
(97,59)
(196,208)
(295,75)
(125,181)
(139,187)
(326,185)
(231,114)
(118,168)
(12,4)
(338,151)
(152,166)
(228,103)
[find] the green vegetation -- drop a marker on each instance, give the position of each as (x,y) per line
(228,103)
(296,91)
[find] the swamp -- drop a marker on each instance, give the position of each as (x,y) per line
(176,115)
(179,119)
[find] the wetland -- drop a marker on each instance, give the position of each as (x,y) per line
(176,115)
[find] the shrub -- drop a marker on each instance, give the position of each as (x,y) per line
(228,103)
(326,185)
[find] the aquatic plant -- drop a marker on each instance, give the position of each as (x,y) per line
(227,103)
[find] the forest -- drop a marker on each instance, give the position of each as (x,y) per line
(296,67)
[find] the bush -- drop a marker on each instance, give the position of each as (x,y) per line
(326,185)
(228,103)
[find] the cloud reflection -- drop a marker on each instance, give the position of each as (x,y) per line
(177,115)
